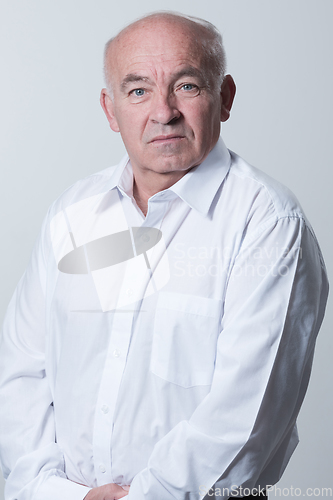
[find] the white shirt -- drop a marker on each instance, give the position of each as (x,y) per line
(165,366)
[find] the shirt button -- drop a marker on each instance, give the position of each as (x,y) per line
(116,353)
(105,409)
(129,291)
(102,468)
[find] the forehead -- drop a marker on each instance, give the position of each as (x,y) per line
(155,47)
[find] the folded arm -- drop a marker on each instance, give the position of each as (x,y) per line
(274,305)
(32,462)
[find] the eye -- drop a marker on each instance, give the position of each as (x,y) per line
(188,86)
(138,92)
(189,89)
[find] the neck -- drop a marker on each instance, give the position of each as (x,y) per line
(146,184)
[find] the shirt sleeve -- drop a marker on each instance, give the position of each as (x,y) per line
(273,308)
(31,460)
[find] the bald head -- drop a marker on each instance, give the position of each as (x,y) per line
(205,41)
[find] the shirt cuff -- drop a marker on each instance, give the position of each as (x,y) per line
(59,488)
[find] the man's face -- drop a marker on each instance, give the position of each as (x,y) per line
(164,104)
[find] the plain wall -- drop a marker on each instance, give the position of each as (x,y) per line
(53,132)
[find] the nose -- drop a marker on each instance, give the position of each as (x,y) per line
(164,109)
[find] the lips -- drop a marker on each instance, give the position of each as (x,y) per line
(167,138)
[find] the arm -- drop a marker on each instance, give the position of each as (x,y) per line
(273,309)
(32,462)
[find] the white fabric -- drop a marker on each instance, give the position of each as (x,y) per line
(168,378)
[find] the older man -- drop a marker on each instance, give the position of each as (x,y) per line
(161,340)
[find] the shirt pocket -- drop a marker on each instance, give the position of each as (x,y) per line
(186,329)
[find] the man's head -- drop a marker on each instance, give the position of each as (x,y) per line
(166,91)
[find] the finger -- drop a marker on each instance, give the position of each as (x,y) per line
(119,492)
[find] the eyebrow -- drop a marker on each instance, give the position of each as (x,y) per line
(132,77)
(188,71)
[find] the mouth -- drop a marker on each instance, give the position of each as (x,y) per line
(167,139)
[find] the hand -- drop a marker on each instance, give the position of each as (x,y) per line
(109,491)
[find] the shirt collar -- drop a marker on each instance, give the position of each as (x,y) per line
(199,186)
(122,177)
(210,174)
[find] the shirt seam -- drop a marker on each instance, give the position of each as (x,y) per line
(274,219)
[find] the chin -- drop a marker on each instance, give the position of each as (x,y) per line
(172,167)
(174,163)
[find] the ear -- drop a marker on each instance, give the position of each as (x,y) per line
(108,108)
(228,91)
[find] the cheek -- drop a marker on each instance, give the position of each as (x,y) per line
(131,120)
(201,116)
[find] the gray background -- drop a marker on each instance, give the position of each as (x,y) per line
(54,132)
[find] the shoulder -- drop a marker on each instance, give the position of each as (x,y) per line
(260,190)
(257,204)
(91,186)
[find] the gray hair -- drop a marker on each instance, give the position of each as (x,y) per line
(211,42)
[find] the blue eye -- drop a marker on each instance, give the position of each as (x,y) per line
(188,90)
(188,86)
(138,92)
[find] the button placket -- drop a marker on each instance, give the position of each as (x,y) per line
(105,409)
(115,362)
(113,370)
